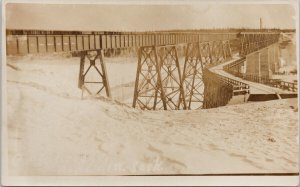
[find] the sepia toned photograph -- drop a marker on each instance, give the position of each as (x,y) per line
(149,89)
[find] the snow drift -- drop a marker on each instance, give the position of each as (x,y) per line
(51,131)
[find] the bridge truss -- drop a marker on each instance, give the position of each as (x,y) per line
(159,84)
(253,41)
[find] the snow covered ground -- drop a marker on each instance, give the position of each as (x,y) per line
(51,131)
(59,75)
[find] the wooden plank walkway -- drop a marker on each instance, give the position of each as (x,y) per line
(255,88)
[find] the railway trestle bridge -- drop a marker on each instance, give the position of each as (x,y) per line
(162,82)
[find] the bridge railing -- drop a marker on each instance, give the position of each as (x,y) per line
(228,80)
(278,83)
(238,87)
(234,63)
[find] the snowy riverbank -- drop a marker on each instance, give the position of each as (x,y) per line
(51,131)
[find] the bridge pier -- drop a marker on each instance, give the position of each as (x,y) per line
(227,53)
(171,78)
(217,52)
(274,58)
(205,53)
(198,56)
(159,82)
(148,91)
(192,78)
(99,77)
(263,63)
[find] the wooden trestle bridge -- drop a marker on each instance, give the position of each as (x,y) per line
(162,82)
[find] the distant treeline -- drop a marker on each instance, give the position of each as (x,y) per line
(234,30)
(288,30)
(51,32)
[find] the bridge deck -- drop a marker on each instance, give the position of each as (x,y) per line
(255,88)
(66,42)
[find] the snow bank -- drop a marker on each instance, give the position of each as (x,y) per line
(52,131)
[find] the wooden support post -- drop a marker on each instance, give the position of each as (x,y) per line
(259,63)
(104,74)
(210,52)
(81,69)
(82,42)
(37,44)
(18,47)
(182,94)
(55,47)
(28,49)
(70,45)
(46,43)
(136,88)
(159,82)
(62,43)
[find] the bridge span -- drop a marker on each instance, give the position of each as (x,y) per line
(162,82)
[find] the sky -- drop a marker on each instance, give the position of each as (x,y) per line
(134,17)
